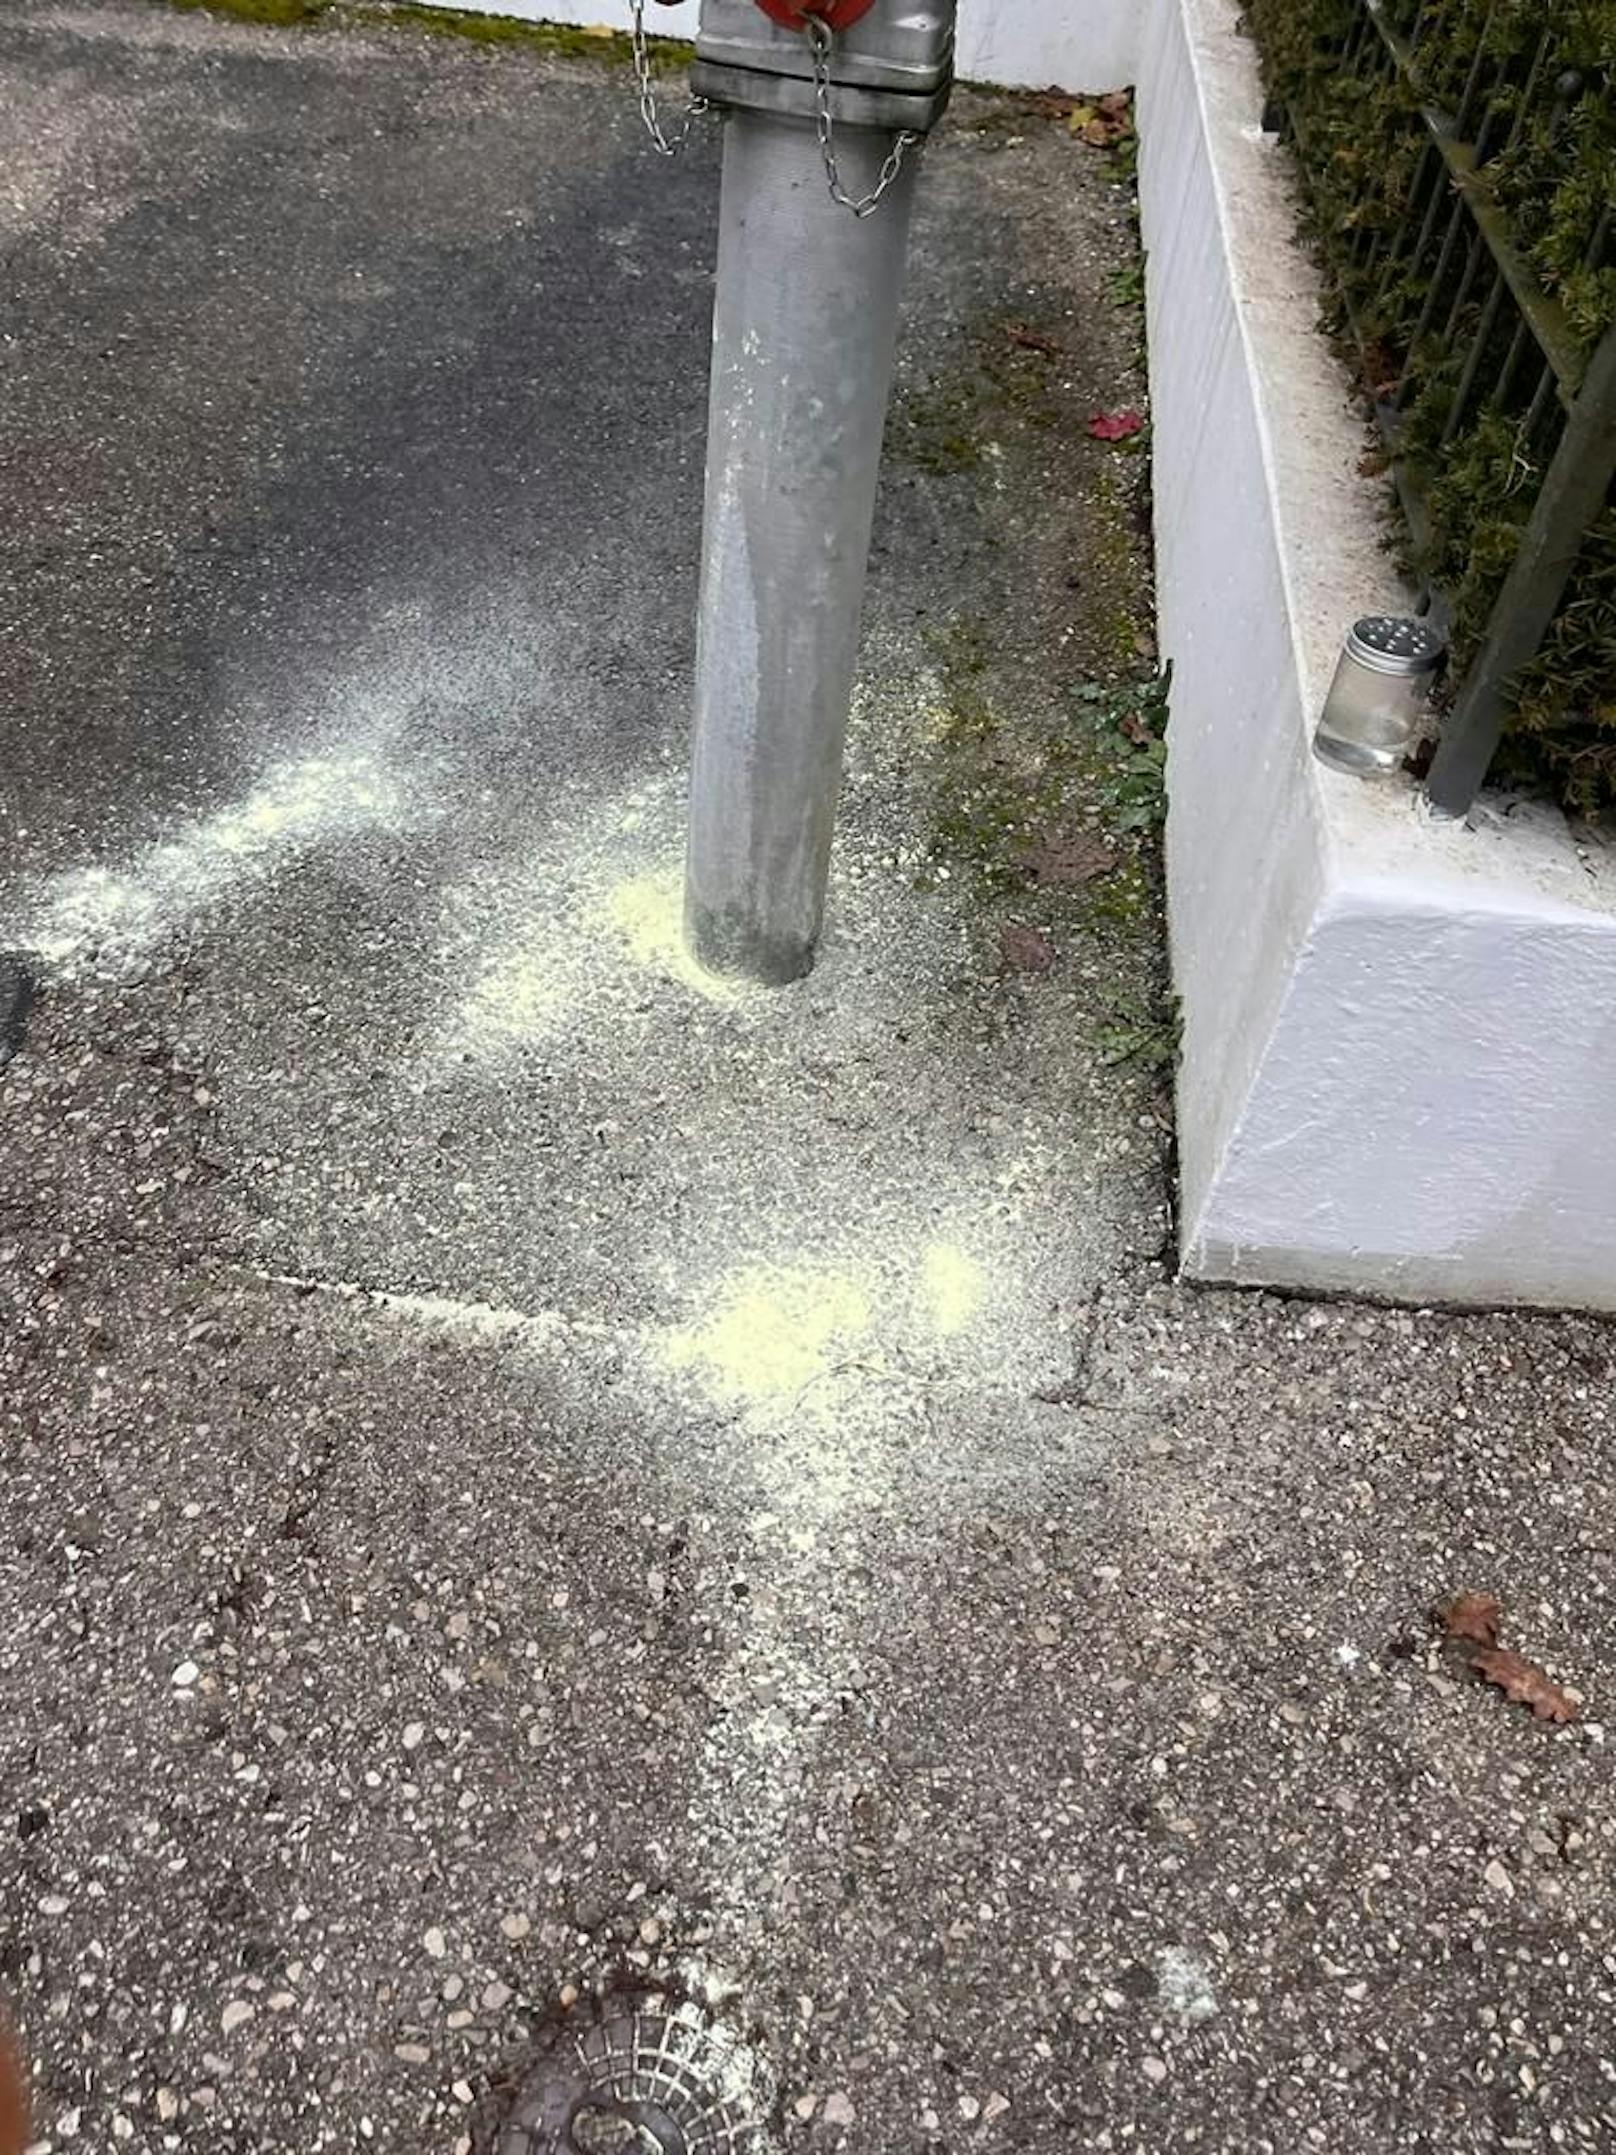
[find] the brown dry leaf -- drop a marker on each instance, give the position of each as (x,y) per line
(1032,340)
(13,2101)
(1472,1617)
(1049,104)
(1101,121)
(1523,1683)
(1075,857)
(1470,1623)
(1025,950)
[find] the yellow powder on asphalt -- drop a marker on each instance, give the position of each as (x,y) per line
(775,1330)
(300,799)
(955,1286)
(558,963)
(522,995)
(294,808)
(648,913)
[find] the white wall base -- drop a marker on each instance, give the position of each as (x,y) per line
(1074,44)
(1399,1070)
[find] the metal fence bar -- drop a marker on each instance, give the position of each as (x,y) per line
(1444,262)
(1424,172)
(1573,495)
(1464,117)
(1547,316)
(1476,255)
(1476,355)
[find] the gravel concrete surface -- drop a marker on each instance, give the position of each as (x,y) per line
(528,1472)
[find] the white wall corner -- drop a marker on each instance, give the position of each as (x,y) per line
(1431,1118)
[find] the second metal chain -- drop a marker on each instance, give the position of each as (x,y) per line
(663,144)
(820,42)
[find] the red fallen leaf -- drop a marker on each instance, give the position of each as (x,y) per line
(1024,950)
(1078,857)
(1115,426)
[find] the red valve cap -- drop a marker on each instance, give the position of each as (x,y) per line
(834,14)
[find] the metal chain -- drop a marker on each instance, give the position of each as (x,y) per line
(820,41)
(660,142)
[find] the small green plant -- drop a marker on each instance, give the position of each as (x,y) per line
(1125,287)
(1128,726)
(1004,787)
(1143,1029)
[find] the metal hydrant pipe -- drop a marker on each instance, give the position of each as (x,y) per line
(825,104)
(804,331)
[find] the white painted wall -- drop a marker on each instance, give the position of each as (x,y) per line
(1399,1070)
(1431,1118)
(1077,44)
(1237,739)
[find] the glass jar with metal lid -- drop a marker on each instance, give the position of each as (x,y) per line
(1372,715)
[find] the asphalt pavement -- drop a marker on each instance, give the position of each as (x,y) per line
(533,1475)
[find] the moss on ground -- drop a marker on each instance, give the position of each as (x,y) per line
(1045,765)
(282,13)
(950,423)
(1083,783)
(554,40)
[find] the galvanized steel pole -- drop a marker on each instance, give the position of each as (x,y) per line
(805,325)
(803,337)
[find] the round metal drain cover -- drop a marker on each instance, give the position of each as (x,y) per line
(642,2080)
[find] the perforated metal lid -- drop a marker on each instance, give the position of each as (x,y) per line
(1395,643)
(647,2078)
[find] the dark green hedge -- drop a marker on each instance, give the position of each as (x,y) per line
(1556,180)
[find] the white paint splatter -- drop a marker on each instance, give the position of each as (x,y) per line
(1184,1985)
(647,912)
(955,1287)
(476,1323)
